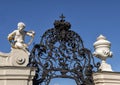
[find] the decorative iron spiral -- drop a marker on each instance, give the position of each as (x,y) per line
(61,54)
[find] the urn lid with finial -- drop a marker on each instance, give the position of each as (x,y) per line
(102,41)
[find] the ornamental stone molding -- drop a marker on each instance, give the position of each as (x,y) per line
(106,78)
(17,57)
(15,75)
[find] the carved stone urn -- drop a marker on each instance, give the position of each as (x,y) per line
(102,51)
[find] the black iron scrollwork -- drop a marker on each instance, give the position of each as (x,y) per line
(61,54)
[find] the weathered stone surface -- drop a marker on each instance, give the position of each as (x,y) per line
(17,57)
(106,78)
(16,75)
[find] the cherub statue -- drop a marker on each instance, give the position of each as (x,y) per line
(17,37)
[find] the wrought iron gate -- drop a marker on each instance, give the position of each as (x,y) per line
(61,54)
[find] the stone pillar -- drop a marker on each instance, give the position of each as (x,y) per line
(11,75)
(106,78)
(13,68)
(105,75)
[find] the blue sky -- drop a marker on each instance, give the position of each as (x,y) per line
(89,18)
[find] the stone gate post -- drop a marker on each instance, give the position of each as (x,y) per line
(13,65)
(13,69)
(105,75)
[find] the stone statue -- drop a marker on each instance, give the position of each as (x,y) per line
(17,37)
(19,54)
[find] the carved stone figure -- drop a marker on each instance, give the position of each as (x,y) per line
(19,54)
(17,37)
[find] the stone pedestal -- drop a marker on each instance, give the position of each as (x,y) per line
(106,78)
(16,75)
(13,68)
(16,57)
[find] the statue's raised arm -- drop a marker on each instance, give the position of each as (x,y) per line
(17,37)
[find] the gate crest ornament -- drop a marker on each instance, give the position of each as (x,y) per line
(61,54)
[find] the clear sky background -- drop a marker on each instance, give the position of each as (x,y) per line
(89,18)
